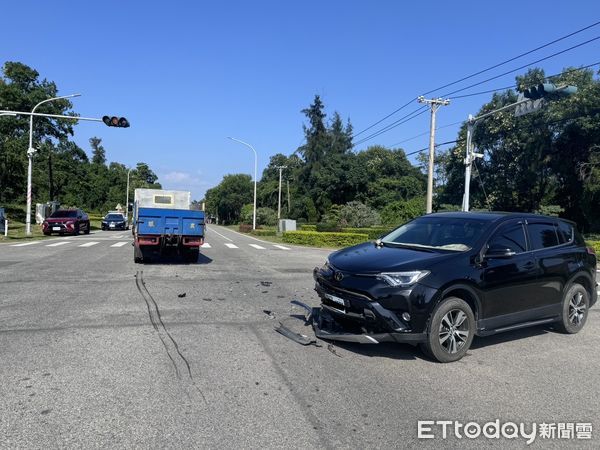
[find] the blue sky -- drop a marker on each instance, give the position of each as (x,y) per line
(187,74)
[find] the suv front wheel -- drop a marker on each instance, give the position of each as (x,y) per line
(451,330)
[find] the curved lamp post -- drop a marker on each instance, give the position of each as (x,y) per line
(30,152)
(255,169)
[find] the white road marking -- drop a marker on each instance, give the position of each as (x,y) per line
(258,247)
(119,236)
(56,244)
(281,247)
(205,245)
(89,244)
(25,243)
(224,237)
(120,244)
(228,245)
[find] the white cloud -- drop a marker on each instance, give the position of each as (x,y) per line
(177,177)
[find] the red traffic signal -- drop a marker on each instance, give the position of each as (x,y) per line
(114,121)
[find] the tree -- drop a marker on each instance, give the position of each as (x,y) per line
(98,152)
(227,199)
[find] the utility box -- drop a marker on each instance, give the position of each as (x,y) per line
(43,210)
(287,225)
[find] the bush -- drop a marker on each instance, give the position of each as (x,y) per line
(245,228)
(327,226)
(317,239)
(595,245)
(264,232)
(372,233)
(358,215)
(307,227)
(400,212)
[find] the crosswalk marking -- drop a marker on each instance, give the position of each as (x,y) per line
(228,245)
(256,246)
(119,244)
(56,244)
(281,247)
(205,245)
(89,244)
(25,243)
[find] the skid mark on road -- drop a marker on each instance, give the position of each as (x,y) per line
(179,361)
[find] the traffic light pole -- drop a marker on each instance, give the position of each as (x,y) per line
(470,154)
(434,103)
(31,151)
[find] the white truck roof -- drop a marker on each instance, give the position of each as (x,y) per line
(162,198)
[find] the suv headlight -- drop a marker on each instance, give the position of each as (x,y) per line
(402,279)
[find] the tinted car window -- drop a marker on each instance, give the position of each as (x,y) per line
(114,217)
(511,236)
(64,213)
(565,232)
(542,235)
(448,233)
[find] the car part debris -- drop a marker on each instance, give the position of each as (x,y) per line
(269,313)
(331,348)
(266,283)
(181,295)
(309,311)
(296,337)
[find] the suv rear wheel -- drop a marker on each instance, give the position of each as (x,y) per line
(576,304)
(451,330)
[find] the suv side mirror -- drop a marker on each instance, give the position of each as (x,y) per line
(499,251)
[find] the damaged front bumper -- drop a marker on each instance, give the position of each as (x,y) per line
(325,326)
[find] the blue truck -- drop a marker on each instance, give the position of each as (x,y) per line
(163,224)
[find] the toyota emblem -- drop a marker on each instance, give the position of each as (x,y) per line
(338,276)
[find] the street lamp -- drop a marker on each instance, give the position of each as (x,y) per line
(30,152)
(127,199)
(255,169)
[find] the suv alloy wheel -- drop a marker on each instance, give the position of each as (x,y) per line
(451,330)
(576,304)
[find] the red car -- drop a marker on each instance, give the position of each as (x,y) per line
(66,221)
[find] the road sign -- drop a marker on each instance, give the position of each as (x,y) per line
(528,106)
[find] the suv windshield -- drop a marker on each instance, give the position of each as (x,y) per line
(445,233)
(64,213)
(114,217)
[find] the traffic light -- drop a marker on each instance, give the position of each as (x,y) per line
(544,90)
(119,122)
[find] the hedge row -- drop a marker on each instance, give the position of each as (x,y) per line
(307,227)
(260,232)
(323,239)
(372,232)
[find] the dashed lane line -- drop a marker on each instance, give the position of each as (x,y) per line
(120,244)
(258,247)
(205,245)
(281,247)
(229,245)
(89,244)
(25,243)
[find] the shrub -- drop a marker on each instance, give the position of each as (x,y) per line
(372,233)
(595,245)
(264,232)
(266,216)
(358,215)
(317,239)
(245,228)
(307,227)
(401,212)
(327,226)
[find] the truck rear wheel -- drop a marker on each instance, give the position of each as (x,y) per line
(191,254)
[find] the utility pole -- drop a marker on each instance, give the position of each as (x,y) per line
(279,201)
(434,104)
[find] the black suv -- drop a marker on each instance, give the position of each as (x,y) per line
(443,278)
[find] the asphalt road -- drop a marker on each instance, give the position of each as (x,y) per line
(96,351)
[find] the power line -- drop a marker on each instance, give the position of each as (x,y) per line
(493,91)
(416,113)
(478,73)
